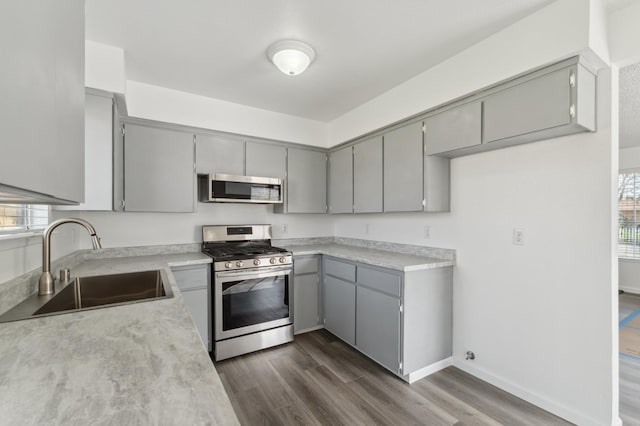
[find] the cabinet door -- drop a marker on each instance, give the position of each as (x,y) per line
(42,106)
(367,176)
(265,160)
(158,170)
(533,105)
(403,178)
(341,181)
(305,302)
(216,154)
(378,327)
(306,181)
(457,128)
(98,154)
(197,304)
(340,308)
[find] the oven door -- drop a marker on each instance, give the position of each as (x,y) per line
(247,302)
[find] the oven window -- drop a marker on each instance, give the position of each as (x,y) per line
(254,301)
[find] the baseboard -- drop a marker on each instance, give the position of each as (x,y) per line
(428,370)
(632,290)
(535,399)
(307,330)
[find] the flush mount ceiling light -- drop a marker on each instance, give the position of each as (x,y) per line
(291,57)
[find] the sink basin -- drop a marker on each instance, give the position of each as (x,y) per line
(93,292)
(90,292)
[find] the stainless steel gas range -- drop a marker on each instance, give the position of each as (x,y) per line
(251,283)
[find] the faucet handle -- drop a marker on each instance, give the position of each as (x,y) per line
(65,275)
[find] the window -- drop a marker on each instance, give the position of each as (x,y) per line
(18,218)
(629,214)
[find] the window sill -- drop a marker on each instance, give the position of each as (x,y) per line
(628,259)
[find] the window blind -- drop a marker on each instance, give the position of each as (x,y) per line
(16,218)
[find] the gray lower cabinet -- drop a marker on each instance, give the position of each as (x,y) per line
(402,320)
(306,184)
(403,174)
(306,293)
(194,284)
(265,160)
(42,106)
(158,170)
(218,154)
(367,176)
(340,308)
(341,181)
(454,129)
(378,326)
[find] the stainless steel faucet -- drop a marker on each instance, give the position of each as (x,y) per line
(46,283)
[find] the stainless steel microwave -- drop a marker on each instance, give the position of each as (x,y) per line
(221,188)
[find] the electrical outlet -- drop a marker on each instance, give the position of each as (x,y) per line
(518,237)
(284,228)
(427,232)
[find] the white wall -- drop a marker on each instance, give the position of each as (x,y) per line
(139,229)
(624,33)
(104,67)
(173,106)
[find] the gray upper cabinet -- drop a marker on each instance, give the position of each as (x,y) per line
(42,106)
(306,186)
(367,176)
(454,129)
(98,153)
(540,103)
(341,181)
(266,160)
(218,154)
(158,170)
(403,174)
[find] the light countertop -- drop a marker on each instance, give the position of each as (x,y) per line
(383,258)
(136,364)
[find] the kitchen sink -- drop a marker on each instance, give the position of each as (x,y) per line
(83,293)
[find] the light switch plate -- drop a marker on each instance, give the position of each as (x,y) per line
(518,237)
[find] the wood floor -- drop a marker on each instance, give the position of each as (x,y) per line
(319,380)
(629,370)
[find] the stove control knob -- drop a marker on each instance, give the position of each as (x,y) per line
(256,262)
(282,260)
(272,261)
(239,264)
(228,265)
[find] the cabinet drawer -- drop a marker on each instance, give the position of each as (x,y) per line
(345,271)
(191,278)
(385,282)
(305,265)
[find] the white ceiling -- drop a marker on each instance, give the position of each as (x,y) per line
(629,106)
(217,48)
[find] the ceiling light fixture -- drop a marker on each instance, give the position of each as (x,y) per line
(291,57)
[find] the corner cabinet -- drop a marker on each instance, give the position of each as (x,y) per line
(42,106)
(195,285)
(306,293)
(401,320)
(306,183)
(159,169)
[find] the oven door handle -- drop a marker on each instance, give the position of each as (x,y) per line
(270,272)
